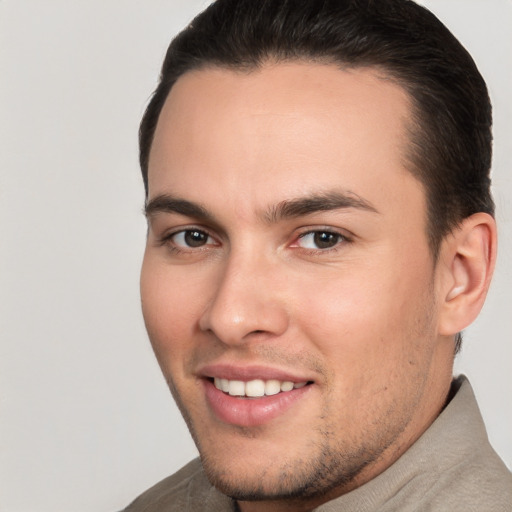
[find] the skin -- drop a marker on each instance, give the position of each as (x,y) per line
(363,320)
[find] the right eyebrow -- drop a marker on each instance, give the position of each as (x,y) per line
(314,203)
(165,203)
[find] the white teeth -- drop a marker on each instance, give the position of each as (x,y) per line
(224,385)
(256,388)
(272,387)
(236,388)
(286,385)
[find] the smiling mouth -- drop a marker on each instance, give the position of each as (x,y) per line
(256,388)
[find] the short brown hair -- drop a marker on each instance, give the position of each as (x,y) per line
(450,136)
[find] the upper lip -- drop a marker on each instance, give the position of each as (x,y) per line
(247,373)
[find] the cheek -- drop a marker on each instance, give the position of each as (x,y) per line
(348,309)
(375,338)
(171,306)
(366,321)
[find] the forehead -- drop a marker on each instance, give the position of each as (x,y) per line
(281,130)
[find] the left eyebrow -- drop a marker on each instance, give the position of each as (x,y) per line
(314,203)
(165,203)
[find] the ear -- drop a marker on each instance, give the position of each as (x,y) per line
(467,260)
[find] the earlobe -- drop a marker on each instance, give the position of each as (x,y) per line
(469,256)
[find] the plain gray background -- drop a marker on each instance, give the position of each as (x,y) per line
(86,421)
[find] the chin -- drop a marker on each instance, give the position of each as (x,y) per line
(290,480)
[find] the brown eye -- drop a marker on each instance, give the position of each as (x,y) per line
(191,238)
(320,240)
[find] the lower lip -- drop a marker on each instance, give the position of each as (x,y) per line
(250,412)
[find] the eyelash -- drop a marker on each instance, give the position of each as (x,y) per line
(167,240)
(341,239)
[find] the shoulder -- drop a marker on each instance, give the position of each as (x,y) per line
(456,468)
(482,482)
(451,468)
(475,477)
(186,490)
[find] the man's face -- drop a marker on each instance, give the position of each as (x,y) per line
(287,251)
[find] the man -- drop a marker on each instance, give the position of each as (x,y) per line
(320,231)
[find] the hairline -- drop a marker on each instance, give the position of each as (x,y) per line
(412,128)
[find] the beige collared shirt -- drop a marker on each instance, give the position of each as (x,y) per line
(452,467)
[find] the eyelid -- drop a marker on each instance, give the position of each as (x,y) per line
(167,237)
(345,237)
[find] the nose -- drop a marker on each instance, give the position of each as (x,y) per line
(247,301)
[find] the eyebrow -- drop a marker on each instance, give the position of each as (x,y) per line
(287,209)
(165,203)
(308,205)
